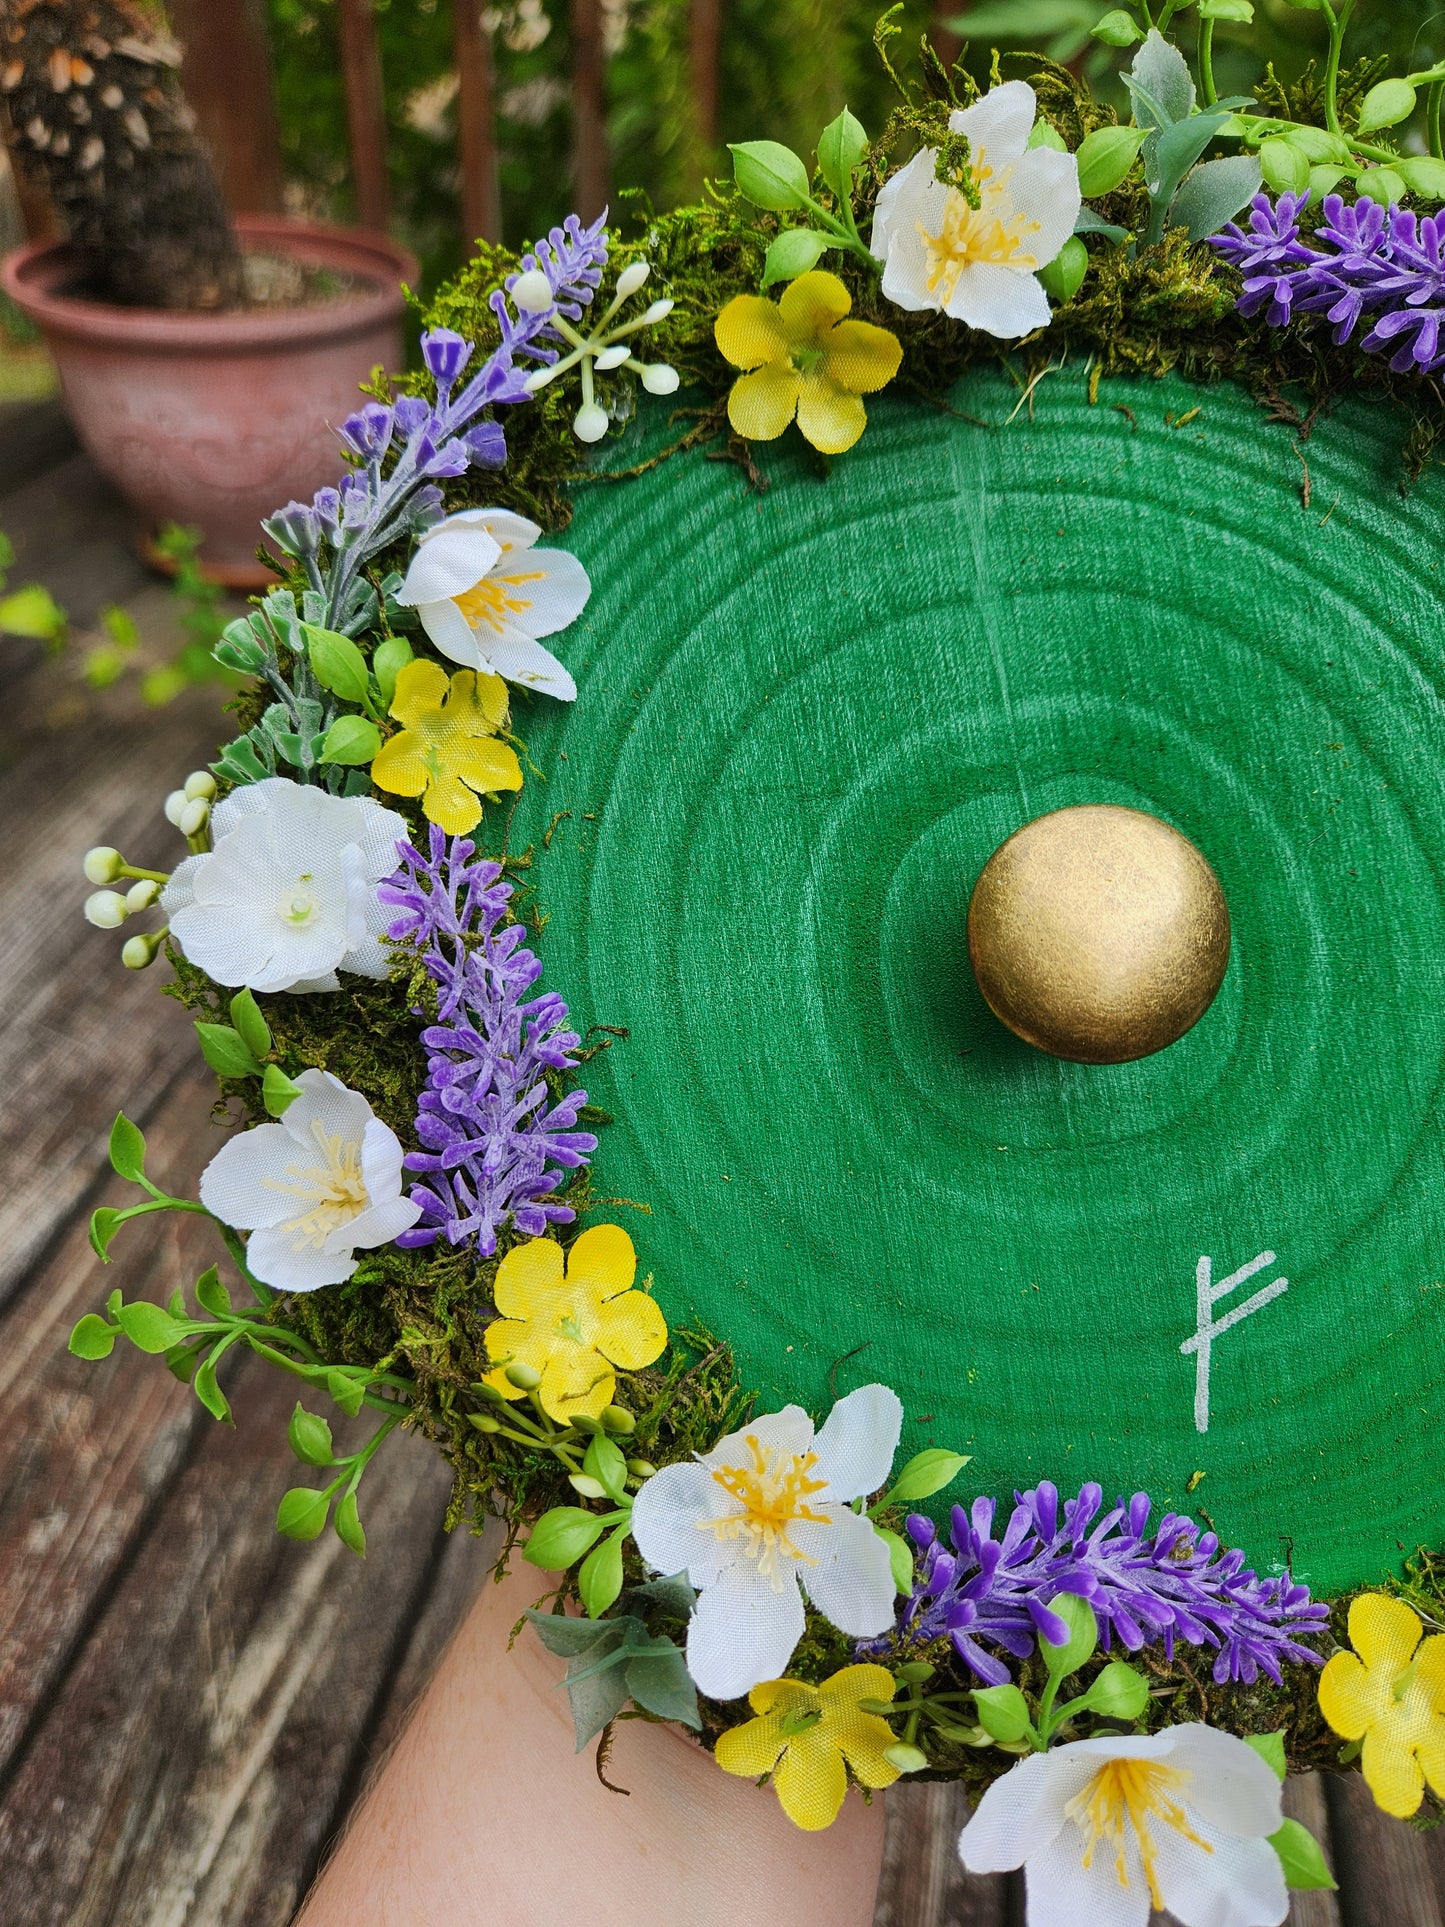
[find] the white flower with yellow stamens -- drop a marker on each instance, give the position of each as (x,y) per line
(485,595)
(312,1188)
(980,264)
(765,1510)
(1106,1828)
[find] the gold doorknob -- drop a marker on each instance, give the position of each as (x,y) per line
(1098,933)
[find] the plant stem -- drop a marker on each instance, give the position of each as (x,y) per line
(364,1457)
(1432,119)
(1206,61)
(1261,125)
(263,1294)
(848,234)
(1337,23)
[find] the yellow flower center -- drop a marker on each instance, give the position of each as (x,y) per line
(334,1189)
(1126,1793)
(494,598)
(993,232)
(773,1488)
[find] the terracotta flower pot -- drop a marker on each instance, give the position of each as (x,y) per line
(216,419)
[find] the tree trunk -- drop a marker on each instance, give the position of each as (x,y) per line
(704,52)
(97,118)
(365,113)
(947,44)
(589,125)
(481,191)
(228,77)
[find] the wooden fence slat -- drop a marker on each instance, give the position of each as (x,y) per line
(365,112)
(192,1765)
(477,132)
(1383,1867)
(946,42)
(589,110)
(89,1446)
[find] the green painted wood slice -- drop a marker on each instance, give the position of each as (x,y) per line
(806,719)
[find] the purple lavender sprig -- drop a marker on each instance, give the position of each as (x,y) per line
(428,442)
(1363,263)
(494,1152)
(1173,1584)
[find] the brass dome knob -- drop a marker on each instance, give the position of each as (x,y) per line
(1098,934)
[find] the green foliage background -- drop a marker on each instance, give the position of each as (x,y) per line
(787,66)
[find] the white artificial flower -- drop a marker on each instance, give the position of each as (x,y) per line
(1105,1828)
(766,1509)
(286,895)
(485,595)
(312,1188)
(979,265)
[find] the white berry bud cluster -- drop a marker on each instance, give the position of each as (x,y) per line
(189,809)
(604,350)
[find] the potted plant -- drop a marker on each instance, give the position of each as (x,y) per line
(202,360)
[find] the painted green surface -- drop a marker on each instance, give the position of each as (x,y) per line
(806,719)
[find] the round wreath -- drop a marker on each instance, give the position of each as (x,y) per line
(353,929)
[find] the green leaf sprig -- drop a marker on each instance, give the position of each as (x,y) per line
(194,1344)
(243,1048)
(925,1473)
(304,1511)
(1294,157)
(613,1661)
(568,1533)
(306,728)
(774,178)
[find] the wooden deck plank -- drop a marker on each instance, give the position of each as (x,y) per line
(83,1037)
(191,1764)
(34,436)
(924,1883)
(1383,1867)
(89,1447)
(72,532)
(1305,1800)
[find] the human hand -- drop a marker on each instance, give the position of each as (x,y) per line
(484,1813)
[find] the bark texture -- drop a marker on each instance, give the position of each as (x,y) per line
(96,117)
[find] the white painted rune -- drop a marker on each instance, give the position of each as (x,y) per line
(1208,1327)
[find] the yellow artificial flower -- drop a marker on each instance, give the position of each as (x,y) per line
(804,359)
(447,748)
(808,1736)
(1390,1693)
(572,1320)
